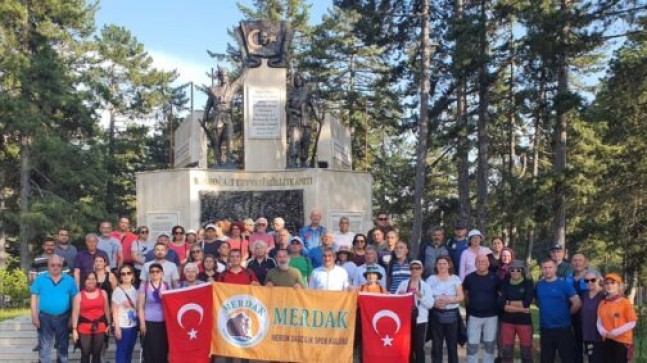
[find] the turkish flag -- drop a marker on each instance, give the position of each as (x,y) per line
(188,313)
(386,327)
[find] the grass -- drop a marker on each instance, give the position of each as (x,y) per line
(10,313)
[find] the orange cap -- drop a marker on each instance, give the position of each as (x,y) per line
(614,277)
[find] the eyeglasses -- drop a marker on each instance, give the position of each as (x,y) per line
(382,219)
(416,267)
(589,281)
(516,270)
(155,271)
(128,273)
(55,265)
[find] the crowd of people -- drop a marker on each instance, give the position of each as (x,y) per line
(114,286)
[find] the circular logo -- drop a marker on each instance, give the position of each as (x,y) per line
(243,321)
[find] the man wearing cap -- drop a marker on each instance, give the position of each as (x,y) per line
(311,234)
(563,266)
(344,237)
(432,248)
(458,243)
(211,243)
(372,277)
(298,260)
(260,234)
(481,291)
(557,301)
(329,276)
(516,295)
(371,263)
(283,275)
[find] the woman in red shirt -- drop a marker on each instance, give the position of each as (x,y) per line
(238,242)
(90,319)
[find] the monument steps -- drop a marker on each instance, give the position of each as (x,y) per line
(18,338)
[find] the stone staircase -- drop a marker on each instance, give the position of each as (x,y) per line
(18,337)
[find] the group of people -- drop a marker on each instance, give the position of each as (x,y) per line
(118,279)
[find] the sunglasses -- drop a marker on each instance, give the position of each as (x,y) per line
(126,273)
(516,270)
(155,271)
(588,281)
(609,282)
(382,219)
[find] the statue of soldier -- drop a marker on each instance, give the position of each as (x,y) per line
(220,102)
(298,109)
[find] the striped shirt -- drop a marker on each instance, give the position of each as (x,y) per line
(398,272)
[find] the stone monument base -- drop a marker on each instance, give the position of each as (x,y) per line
(194,197)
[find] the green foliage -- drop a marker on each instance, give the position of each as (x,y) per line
(14,288)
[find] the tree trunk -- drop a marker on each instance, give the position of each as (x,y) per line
(483,122)
(559,164)
(3,253)
(462,152)
(421,148)
(541,118)
(25,194)
(512,185)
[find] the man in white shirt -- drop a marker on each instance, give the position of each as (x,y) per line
(171,275)
(343,237)
(329,276)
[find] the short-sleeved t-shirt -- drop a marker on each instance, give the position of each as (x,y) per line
(112,247)
(444,288)
(554,305)
(285,278)
(170,272)
(126,242)
(152,308)
(614,314)
(141,248)
(55,298)
(242,277)
(127,310)
(68,254)
(482,290)
(84,261)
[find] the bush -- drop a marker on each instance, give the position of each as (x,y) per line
(14,289)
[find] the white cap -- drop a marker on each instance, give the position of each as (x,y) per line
(475,232)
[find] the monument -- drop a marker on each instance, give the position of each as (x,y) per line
(285,140)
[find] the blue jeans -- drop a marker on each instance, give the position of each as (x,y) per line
(125,345)
(53,329)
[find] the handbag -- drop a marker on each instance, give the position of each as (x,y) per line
(446,316)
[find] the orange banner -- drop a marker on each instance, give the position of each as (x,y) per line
(283,324)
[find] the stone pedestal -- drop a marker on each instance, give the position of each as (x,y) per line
(190,143)
(265,120)
(192,197)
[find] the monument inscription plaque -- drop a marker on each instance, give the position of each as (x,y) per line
(265,115)
(237,205)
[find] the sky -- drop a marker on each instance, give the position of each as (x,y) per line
(177,34)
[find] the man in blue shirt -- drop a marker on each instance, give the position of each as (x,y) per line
(316,254)
(458,244)
(311,234)
(51,297)
(557,301)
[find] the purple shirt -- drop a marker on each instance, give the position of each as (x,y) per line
(589,314)
(152,308)
(84,260)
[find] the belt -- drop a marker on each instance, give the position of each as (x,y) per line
(64,315)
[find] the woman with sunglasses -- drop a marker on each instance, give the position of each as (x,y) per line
(591,299)
(196,256)
(359,247)
(616,322)
(151,316)
(139,249)
(179,245)
(90,319)
(124,314)
(515,297)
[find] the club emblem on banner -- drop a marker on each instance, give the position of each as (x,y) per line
(243,321)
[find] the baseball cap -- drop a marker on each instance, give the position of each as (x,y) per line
(210,225)
(557,247)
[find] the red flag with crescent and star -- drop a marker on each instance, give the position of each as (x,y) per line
(188,313)
(386,327)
